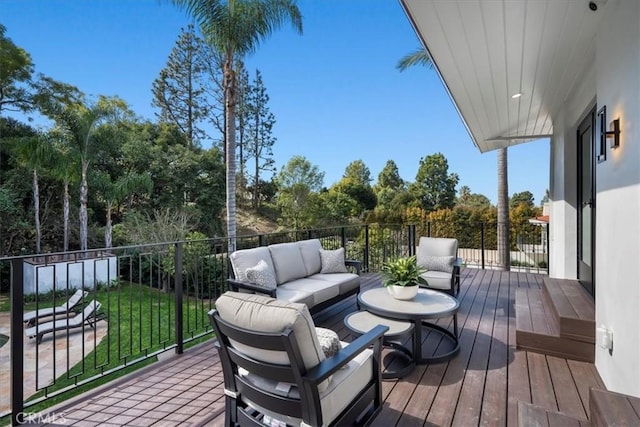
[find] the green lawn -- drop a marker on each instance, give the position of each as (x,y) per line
(141,321)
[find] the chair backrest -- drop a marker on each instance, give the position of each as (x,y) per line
(438,246)
(75,299)
(90,310)
(275,343)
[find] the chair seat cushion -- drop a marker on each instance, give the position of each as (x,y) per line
(345,385)
(437,279)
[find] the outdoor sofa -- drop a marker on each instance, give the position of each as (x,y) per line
(300,272)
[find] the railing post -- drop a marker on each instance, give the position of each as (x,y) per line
(482,243)
(17,345)
(178,291)
(429,229)
(261,240)
(412,239)
(344,237)
(366,247)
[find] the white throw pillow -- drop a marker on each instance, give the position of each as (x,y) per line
(262,275)
(437,263)
(333,261)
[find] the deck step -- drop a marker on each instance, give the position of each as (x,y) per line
(572,307)
(538,329)
(613,409)
(533,415)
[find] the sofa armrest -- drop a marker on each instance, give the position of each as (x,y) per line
(329,366)
(355,264)
(237,285)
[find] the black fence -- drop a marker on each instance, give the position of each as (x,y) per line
(155,298)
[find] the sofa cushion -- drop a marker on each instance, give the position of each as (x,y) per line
(332,261)
(247,258)
(437,279)
(437,246)
(294,295)
(310,250)
(265,314)
(345,281)
(321,290)
(262,275)
(287,262)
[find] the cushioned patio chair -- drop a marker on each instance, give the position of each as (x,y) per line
(275,370)
(440,257)
(31,317)
(89,316)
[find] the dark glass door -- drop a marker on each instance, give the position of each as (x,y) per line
(586,202)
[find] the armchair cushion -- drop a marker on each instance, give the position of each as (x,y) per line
(264,314)
(333,261)
(437,263)
(262,275)
(287,262)
(346,383)
(437,279)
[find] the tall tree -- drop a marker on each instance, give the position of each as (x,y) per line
(65,168)
(16,70)
(297,183)
(114,192)
(524,197)
(35,153)
(179,89)
(79,122)
(356,183)
(236,28)
(389,177)
(434,186)
(260,123)
(504,249)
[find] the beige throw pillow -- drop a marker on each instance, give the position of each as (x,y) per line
(333,261)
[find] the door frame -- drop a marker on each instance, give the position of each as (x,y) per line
(588,121)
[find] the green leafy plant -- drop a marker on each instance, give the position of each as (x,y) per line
(402,272)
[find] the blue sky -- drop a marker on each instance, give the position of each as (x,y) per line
(335,91)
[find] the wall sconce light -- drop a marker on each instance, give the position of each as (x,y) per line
(614,134)
(601,123)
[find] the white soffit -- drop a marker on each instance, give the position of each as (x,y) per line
(488,50)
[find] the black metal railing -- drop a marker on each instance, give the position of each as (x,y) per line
(155,297)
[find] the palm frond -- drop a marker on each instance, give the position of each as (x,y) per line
(418,57)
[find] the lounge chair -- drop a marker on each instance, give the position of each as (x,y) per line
(89,316)
(31,318)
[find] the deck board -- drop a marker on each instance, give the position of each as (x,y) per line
(482,385)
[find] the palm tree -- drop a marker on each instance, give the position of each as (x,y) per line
(64,168)
(79,122)
(504,250)
(235,28)
(421,57)
(35,153)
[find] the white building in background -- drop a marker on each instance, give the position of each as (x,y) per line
(524,70)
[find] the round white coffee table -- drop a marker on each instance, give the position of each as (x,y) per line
(426,305)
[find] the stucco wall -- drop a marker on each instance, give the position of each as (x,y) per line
(617,272)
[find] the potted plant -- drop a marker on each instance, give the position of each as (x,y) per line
(401,277)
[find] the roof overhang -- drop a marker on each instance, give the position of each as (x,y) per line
(489,51)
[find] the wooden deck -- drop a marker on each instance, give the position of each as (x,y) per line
(482,385)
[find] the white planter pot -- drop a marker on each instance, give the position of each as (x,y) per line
(403,292)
